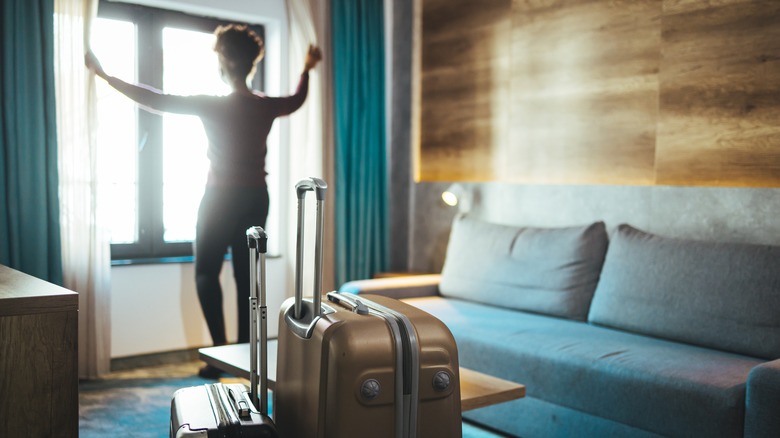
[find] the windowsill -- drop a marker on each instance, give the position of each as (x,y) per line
(167,260)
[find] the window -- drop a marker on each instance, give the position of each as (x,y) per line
(155,165)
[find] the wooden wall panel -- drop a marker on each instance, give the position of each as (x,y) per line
(720,94)
(680,92)
(465,88)
(584,91)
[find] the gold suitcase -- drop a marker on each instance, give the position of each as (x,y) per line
(361,365)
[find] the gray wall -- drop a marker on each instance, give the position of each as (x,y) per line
(399,77)
(421,223)
(720,214)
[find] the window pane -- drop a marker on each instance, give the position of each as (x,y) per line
(113,41)
(190,67)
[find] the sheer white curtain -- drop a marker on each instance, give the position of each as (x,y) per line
(311,131)
(85,248)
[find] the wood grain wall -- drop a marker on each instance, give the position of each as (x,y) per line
(465,87)
(636,92)
(720,94)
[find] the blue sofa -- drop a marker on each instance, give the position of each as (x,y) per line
(632,334)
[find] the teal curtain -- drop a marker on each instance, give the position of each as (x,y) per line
(29,201)
(361,168)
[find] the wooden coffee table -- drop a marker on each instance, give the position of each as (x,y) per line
(477,390)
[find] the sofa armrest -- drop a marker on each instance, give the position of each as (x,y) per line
(396,287)
(762,399)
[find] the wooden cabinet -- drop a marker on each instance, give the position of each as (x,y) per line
(38,357)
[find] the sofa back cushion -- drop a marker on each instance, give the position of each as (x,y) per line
(552,271)
(712,294)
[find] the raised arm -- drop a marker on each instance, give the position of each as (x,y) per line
(147,96)
(288,105)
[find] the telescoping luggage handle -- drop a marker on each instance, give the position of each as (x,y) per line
(257,240)
(319,187)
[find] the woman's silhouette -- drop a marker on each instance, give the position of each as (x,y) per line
(236,195)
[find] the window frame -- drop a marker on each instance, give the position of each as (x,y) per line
(149,24)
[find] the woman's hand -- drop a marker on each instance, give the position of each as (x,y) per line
(92,63)
(313,56)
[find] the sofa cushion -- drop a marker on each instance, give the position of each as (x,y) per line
(718,295)
(624,377)
(545,270)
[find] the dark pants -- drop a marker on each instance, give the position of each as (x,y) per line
(223,218)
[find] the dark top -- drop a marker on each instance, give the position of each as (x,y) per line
(237,126)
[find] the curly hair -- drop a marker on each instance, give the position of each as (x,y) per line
(240,46)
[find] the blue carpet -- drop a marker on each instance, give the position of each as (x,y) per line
(140,407)
(130,407)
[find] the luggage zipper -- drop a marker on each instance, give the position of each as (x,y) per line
(408,362)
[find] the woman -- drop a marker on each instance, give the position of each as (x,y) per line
(236,195)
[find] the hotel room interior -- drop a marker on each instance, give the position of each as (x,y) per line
(637,140)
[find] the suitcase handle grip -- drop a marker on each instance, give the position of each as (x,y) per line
(311,184)
(256,237)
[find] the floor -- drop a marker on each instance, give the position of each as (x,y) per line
(136,402)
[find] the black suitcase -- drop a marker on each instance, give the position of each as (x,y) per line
(233,410)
